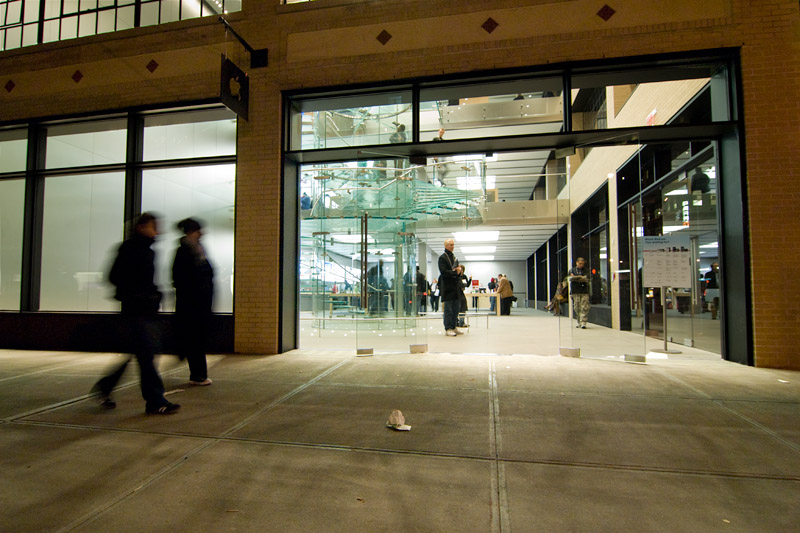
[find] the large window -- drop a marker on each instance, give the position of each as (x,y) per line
(519,107)
(207,194)
(364,119)
(81,182)
(83,217)
(86,144)
(203,133)
(31,22)
(12,201)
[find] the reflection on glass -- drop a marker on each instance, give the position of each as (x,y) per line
(383,118)
(521,107)
(204,133)
(12,202)
(208,194)
(682,203)
(86,143)
(648,97)
(82,227)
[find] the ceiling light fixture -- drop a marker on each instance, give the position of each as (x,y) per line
(476,236)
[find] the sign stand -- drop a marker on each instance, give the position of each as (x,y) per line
(664,322)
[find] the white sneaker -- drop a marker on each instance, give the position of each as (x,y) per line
(451,333)
(458,332)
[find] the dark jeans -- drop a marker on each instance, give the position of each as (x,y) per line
(505,305)
(142,336)
(190,329)
(450,315)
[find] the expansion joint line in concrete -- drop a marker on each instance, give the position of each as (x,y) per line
(96,513)
(500,518)
(734,412)
(58,405)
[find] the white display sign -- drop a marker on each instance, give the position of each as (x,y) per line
(667,261)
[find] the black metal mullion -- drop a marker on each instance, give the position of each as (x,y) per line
(33,220)
(133,172)
(40,32)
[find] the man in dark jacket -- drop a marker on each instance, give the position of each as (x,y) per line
(449,289)
(132,274)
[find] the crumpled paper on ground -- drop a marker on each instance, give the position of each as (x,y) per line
(397,421)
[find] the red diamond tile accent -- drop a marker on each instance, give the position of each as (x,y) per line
(384,37)
(152,66)
(77,76)
(10,85)
(606,12)
(490,25)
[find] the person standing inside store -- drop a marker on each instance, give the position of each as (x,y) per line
(422,292)
(712,289)
(492,286)
(449,287)
(132,273)
(579,278)
(505,293)
(193,278)
(434,292)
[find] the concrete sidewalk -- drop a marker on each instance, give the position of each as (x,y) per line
(296,442)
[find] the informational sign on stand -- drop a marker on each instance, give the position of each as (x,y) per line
(667,261)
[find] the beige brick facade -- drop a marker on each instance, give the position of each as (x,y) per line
(333,42)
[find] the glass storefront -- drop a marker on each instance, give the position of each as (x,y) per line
(368,223)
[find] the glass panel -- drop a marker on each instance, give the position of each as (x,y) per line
(689,210)
(13,150)
(82,226)
(88,4)
(52,9)
(69,27)
(602,280)
(70,6)
(191,9)
(205,133)
(149,14)
(648,97)
(206,193)
(170,11)
(14,13)
(232,5)
(358,120)
(88,25)
(51,31)
(13,38)
(86,143)
(12,209)
(31,11)
(360,248)
(125,18)
(30,34)
(105,21)
(521,107)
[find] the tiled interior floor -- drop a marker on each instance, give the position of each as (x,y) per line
(297,442)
